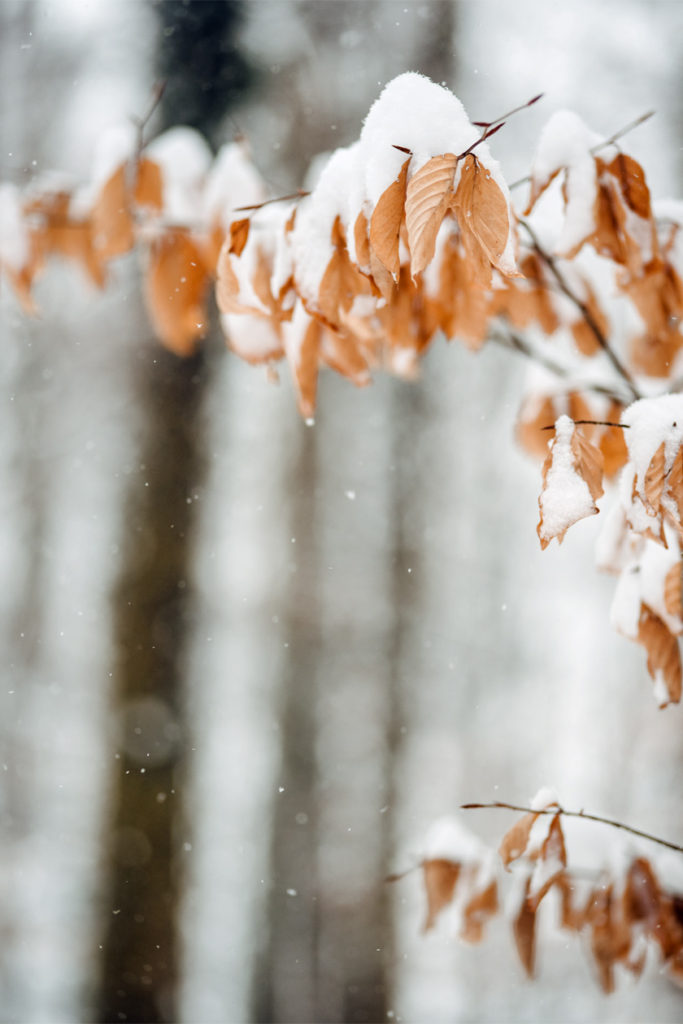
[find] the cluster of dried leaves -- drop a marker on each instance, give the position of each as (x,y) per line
(132,207)
(409,234)
(621,913)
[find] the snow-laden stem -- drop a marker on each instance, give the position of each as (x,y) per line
(578,814)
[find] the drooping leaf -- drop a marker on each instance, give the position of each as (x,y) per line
(427,199)
(385,223)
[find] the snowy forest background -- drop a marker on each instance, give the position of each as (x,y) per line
(249,662)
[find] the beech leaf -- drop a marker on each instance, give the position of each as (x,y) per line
(427,199)
(385,223)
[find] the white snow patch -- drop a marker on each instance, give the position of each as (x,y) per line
(565,498)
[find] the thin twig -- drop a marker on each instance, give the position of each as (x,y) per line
(623,131)
(482,138)
(515,110)
(592,423)
(578,814)
(299,194)
(526,180)
(587,315)
(141,123)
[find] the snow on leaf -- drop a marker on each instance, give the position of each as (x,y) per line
(572,481)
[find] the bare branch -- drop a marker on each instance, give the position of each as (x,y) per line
(299,194)
(600,337)
(578,814)
(592,423)
(515,110)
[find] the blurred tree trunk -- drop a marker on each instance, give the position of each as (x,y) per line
(153,603)
(329,943)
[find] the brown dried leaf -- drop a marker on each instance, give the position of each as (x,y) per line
(524,929)
(572,917)
(362,241)
(674,483)
(440,877)
(113,225)
(176,285)
(673,591)
(482,211)
(589,464)
(482,905)
(148,189)
(634,189)
(663,653)
(385,223)
(342,281)
(612,443)
(239,233)
(514,842)
(610,934)
(653,485)
(427,199)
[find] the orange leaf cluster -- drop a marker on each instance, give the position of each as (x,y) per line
(620,914)
(371,302)
(129,207)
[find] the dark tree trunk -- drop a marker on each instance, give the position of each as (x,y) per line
(153,602)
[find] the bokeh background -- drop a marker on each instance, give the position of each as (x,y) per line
(248,662)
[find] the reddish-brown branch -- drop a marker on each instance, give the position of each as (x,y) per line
(578,814)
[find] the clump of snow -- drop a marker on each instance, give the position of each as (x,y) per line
(251,337)
(184,158)
(419,115)
(14,237)
(546,796)
(565,497)
(448,839)
(232,181)
(311,239)
(565,143)
(114,147)
(652,421)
